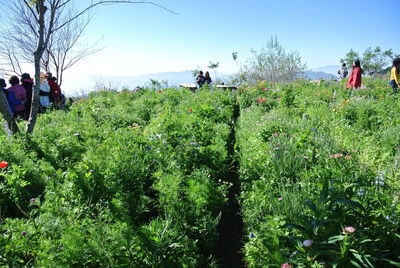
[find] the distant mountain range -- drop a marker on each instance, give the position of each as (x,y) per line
(330,69)
(175,78)
(185,77)
(325,72)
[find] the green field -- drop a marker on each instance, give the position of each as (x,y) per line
(143,179)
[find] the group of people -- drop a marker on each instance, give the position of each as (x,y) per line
(355,76)
(19,93)
(201,79)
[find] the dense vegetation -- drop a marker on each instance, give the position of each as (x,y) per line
(141,179)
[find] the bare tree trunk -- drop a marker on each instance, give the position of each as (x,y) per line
(37,57)
(5,111)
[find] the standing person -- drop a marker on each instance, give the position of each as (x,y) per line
(27,83)
(343,72)
(20,96)
(9,95)
(200,79)
(55,91)
(44,93)
(207,78)
(395,75)
(355,76)
(5,107)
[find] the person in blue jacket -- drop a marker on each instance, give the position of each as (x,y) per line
(10,96)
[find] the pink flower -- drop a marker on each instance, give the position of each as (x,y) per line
(261,100)
(286,265)
(307,243)
(338,155)
(280,199)
(349,230)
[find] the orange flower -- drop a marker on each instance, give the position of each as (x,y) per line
(3,164)
(190,110)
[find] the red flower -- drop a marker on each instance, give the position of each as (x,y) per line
(190,110)
(3,164)
(261,100)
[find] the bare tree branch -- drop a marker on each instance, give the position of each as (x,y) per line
(50,31)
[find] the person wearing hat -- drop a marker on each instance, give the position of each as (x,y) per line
(27,83)
(16,97)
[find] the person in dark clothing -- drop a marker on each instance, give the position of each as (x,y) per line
(200,79)
(27,83)
(207,78)
(343,72)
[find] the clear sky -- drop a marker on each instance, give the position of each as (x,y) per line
(141,38)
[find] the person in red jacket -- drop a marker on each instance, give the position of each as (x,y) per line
(355,76)
(55,91)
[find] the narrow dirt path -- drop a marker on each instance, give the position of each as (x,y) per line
(230,229)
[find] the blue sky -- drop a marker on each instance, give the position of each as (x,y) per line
(141,38)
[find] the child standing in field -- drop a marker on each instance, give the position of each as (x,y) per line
(395,75)
(355,76)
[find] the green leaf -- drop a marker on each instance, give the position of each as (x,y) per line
(311,205)
(355,264)
(396,264)
(294,226)
(362,259)
(366,241)
(324,192)
(350,203)
(334,239)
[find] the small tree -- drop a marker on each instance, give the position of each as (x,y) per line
(273,64)
(373,61)
(214,66)
(376,60)
(196,71)
(351,56)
